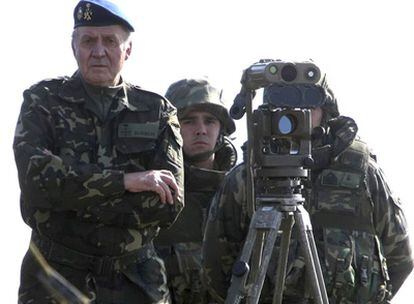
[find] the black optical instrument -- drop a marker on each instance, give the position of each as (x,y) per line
(286,85)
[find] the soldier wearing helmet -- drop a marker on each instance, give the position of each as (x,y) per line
(359,225)
(199,96)
(208,154)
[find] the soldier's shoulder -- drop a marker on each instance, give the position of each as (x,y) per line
(238,170)
(361,146)
(43,92)
(355,157)
(139,94)
(48,85)
(236,177)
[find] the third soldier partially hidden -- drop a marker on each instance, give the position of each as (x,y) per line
(359,226)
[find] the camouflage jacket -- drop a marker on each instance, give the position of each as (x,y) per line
(180,246)
(359,228)
(71,165)
(200,186)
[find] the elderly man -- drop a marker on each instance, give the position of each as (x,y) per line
(100,170)
(208,155)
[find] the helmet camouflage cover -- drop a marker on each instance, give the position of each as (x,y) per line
(198,94)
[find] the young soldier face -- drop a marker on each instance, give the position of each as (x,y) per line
(100,53)
(200,131)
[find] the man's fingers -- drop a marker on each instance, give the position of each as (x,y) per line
(168,195)
(160,190)
(169,179)
(162,182)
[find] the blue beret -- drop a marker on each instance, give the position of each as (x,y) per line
(99,13)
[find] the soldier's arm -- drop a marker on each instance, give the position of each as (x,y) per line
(46,180)
(391,228)
(169,160)
(224,235)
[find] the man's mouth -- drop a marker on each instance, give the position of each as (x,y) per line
(98,66)
(200,143)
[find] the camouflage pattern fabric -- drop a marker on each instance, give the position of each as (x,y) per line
(359,228)
(180,246)
(71,164)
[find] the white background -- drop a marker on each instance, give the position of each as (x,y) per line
(365,47)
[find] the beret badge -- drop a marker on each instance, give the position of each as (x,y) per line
(85,15)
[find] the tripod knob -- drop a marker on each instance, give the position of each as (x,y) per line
(308,162)
(240,268)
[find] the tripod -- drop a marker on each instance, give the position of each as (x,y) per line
(274,212)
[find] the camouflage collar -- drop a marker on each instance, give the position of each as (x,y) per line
(73,90)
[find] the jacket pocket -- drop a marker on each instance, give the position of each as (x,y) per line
(340,277)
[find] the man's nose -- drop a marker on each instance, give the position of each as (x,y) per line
(201,128)
(98,50)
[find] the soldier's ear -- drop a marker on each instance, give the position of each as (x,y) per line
(73,48)
(128,49)
(73,41)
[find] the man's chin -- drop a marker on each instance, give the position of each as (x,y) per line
(198,152)
(99,81)
(199,155)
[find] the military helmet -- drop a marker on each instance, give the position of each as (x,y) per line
(329,104)
(198,94)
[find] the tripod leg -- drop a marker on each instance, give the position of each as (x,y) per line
(256,287)
(240,271)
(286,228)
(256,258)
(265,219)
(311,256)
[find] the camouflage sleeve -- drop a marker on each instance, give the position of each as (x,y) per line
(169,157)
(224,234)
(391,227)
(46,180)
(144,209)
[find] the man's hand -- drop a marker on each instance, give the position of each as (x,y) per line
(343,130)
(341,133)
(161,182)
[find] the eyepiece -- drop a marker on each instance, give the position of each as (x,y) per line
(289,73)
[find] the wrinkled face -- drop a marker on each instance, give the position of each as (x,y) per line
(100,53)
(200,131)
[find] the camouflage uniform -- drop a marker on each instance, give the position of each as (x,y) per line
(180,246)
(359,227)
(71,158)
